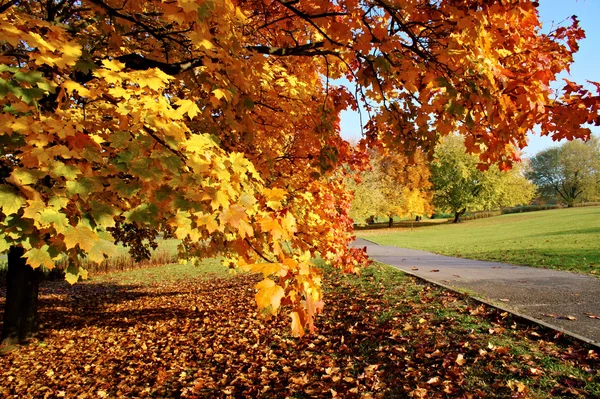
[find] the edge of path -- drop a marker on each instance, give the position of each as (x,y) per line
(495,305)
(505,309)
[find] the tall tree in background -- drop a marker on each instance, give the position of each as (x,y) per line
(395,186)
(460,184)
(569,173)
(217,121)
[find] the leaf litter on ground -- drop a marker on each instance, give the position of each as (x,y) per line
(382,335)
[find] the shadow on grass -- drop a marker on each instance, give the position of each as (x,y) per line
(62,306)
(590,230)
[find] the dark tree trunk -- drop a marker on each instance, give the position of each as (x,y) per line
(20,309)
(391,222)
(458,214)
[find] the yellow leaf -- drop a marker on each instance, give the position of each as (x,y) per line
(206,44)
(71,52)
(233,215)
(37,257)
(208,221)
(274,197)
(198,143)
(245,229)
(187,107)
(268,297)
(71,86)
(82,236)
(265,268)
(219,199)
(154,79)
(113,65)
(10,201)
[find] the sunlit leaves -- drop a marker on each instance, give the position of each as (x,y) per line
(269,295)
(37,257)
(10,201)
(81,236)
(219,121)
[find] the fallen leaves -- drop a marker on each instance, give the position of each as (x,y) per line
(560,317)
(205,339)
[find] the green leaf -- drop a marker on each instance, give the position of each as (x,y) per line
(31,77)
(58,202)
(100,249)
(10,201)
(69,172)
(27,176)
(73,273)
(47,86)
(52,217)
(124,189)
(103,214)
(144,213)
(84,186)
(85,65)
(4,244)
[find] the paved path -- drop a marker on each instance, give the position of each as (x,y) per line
(526,291)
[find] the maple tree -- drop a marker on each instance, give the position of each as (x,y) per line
(217,121)
(570,173)
(394,186)
(459,185)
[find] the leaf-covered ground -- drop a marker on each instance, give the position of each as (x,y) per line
(383,335)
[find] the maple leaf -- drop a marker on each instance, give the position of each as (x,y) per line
(37,257)
(10,201)
(187,107)
(274,197)
(265,268)
(81,236)
(269,295)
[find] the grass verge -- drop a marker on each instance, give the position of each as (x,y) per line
(382,335)
(565,239)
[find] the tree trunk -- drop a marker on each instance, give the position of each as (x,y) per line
(458,214)
(20,309)
(391,222)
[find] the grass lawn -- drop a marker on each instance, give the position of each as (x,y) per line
(567,239)
(194,332)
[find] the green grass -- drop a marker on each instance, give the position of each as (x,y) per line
(165,274)
(566,239)
(503,354)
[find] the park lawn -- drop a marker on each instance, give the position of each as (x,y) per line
(194,332)
(566,239)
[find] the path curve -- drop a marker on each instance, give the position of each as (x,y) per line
(548,297)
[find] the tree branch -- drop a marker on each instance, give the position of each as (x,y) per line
(8,5)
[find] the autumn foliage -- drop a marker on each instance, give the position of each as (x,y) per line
(217,121)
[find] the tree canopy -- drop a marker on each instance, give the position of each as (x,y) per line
(218,122)
(460,186)
(394,186)
(569,173)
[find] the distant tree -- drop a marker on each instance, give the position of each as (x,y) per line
(395,186)
(569,173)
(459,185)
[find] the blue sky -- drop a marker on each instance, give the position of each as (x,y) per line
(586,66)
